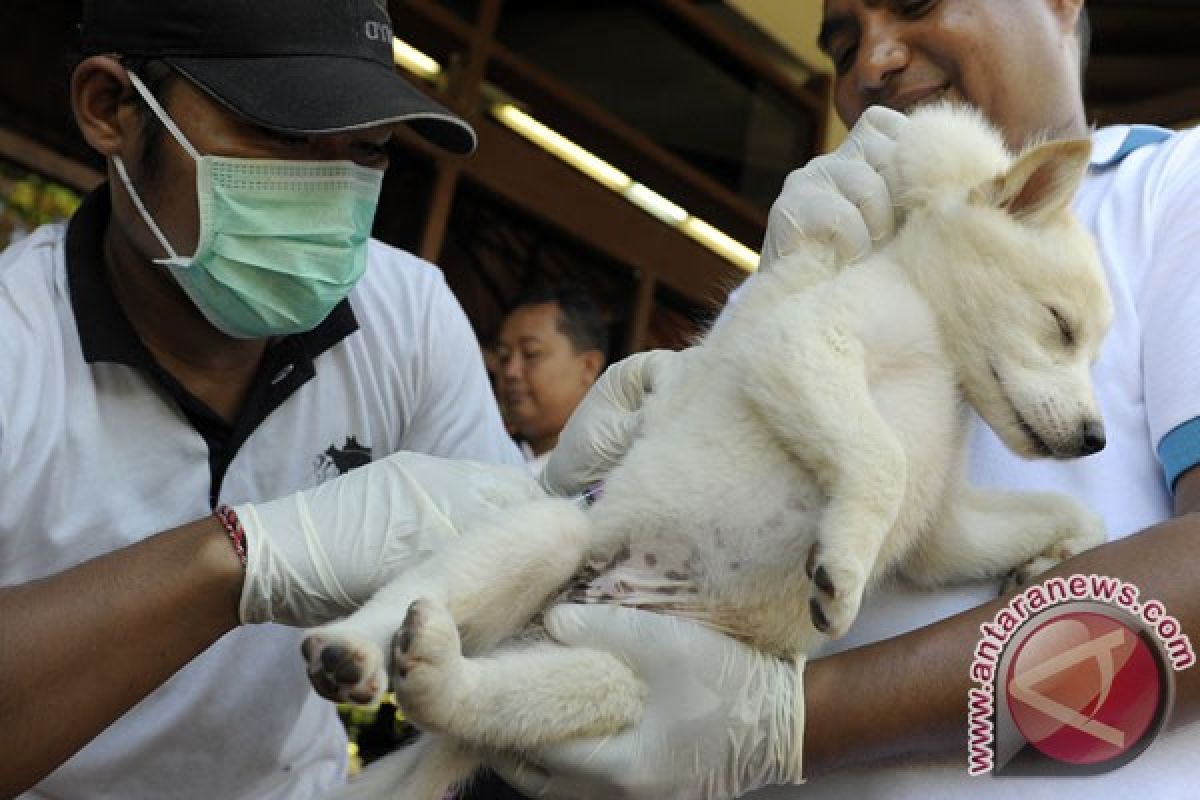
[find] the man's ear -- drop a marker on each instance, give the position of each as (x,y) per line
(1067,13)
(593,365)
(101,100)
(1041,183)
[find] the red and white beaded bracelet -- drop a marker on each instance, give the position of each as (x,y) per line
(237,534)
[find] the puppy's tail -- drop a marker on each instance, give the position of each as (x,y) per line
(424,770)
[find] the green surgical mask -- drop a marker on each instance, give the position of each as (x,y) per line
(281,242)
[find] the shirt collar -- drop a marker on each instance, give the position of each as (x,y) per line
(1111,145)
(106,334)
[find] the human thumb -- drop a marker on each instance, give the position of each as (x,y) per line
(605,627)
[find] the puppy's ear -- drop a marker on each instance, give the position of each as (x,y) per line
(1041,183)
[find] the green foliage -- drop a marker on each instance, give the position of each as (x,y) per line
(28,200)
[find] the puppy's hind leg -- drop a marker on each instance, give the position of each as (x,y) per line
(492,579)
(518,698)
(985,533)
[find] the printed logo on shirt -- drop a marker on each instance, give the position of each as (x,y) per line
(1077,678)
(340,460)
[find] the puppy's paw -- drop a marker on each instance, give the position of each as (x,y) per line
(345,667)
(1023,575)
(1084,531)
(429,674)
(837,588)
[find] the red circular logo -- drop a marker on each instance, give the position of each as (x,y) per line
(1083,688)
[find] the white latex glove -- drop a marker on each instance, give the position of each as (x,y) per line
(840,199)
(601,429)
(317,555)
(721,718)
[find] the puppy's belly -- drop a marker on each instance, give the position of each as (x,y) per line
(733,578)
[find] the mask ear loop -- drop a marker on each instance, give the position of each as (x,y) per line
(149,220)
(162,115)
(119,163)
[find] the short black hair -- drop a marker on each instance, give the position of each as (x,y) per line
(158,76)
(579,317)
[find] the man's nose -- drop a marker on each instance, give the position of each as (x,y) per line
(882,53)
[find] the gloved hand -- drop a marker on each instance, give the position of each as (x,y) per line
(721,718)
(317,555)
(599,433)
(840,199)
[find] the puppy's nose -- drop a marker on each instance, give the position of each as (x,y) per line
(1093,437)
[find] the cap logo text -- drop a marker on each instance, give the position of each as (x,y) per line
(378,31)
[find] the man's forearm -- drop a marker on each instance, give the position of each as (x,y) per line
(78,649)
(907,696)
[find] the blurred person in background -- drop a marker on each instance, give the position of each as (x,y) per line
(550,351)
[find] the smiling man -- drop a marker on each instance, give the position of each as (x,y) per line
(1015,61)
(884,713)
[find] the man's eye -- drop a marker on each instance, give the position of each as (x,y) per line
(371,150)
(843,58)
(915,8)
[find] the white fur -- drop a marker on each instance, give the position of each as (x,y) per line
(810,445)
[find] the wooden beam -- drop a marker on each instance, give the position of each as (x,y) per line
(639,315)
(441,203)
(619,143)
(536,181)
(41,159)
(602,132)
(465,91)
(466,88)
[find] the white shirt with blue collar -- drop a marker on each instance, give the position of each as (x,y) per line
(1141,201)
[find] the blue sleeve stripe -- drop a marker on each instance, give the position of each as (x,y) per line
(1179,450)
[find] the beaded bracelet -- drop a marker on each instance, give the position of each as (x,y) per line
(237,534)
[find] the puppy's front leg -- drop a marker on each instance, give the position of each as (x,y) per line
(807,377)
(986,533)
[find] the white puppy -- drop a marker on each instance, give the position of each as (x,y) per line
(810,445)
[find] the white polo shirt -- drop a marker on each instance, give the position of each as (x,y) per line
(100,448)
(1141,201)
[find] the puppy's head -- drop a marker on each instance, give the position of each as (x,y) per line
(1012,275)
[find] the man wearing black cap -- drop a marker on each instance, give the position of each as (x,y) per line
(215,326)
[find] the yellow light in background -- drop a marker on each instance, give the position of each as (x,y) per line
(640,195)
(596,168)
(721,243)
(554,142)
(413,60)
(654,203)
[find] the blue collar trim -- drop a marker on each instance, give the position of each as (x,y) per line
(1136,137)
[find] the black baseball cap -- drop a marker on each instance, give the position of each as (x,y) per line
(296,66)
